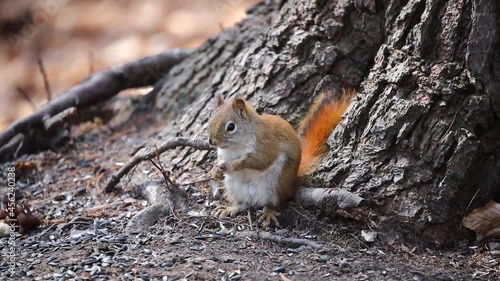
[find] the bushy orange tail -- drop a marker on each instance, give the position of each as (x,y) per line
(323,116)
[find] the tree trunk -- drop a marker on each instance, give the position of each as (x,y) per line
(420,143)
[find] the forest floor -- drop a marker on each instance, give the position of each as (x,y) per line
(192,245)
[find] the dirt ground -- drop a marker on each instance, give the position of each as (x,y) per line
(83,236)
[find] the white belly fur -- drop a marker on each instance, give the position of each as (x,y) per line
(252,188)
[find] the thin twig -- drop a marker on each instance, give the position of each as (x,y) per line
(164,173)
(26,96)
(91,62)
(196,182)
(42,234)
(148,153)
(468,206)
(169,182)
(449,128)
(250,220)
(45,79)
(109,205)
(280,239)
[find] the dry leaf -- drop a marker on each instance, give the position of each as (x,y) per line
(25,168)
(485,220)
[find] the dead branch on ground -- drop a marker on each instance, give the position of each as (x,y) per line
(148,153)
(97,88)
(280,239)
(159,166)
(162,202)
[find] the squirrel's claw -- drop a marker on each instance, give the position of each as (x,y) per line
(223,211)
(217,173)
(269,215)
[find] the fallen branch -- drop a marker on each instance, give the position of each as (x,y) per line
(75,220)
(149,153)
(61,224)
(57,120)
(99,87)
(162,203)
(280,239)
(160,168)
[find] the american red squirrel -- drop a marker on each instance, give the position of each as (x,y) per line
(262,156)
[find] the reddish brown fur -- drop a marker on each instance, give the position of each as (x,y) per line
(282,138)
(323,116)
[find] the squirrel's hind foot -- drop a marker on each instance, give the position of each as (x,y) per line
(225,211)
(269,215)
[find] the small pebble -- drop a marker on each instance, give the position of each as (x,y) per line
(167,263)
(88,261)
(235,277)
(95,270)
(343,263)
(280,269)
(197,249)
(324,258)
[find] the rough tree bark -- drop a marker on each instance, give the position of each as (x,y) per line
(422,138)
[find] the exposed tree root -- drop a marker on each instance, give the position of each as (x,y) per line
(327,198)
(97,88)
(150,153)
(162,202)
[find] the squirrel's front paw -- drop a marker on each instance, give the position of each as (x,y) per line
(269,215)
(217,171)
(223,211)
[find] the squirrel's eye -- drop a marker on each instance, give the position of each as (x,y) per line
(230,127)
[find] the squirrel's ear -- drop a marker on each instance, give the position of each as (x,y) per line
(240,107)
(220,100)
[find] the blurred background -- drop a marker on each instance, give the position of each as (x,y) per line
(74,38)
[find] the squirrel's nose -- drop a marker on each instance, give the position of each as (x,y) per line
(210,141)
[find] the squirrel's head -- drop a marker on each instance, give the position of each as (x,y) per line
(232,124)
